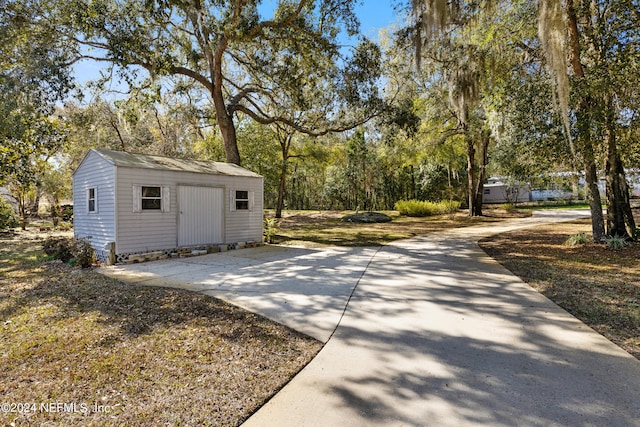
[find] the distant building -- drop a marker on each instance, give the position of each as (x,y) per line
(496,191)
(552,186)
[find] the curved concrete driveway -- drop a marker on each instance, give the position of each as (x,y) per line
(305,289)
(435,334)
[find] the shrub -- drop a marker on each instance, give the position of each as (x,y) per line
(77,251)
(270,229)
(59,248)
(615,242)
(509,207)
(83,253)
(578,239)
(426,208)
(66,212)
(8,217)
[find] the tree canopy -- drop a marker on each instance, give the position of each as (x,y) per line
(246,57)
(34,75)
(330,118)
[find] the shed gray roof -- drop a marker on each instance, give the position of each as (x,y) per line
(147,161)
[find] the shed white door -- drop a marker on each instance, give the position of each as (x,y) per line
(200,215)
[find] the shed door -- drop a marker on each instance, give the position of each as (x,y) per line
(200,215)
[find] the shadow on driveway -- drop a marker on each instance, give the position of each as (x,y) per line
(303,288)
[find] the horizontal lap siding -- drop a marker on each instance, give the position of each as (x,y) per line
(245,226)
(94,172)
(148,231)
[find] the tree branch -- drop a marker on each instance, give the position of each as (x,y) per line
(267,120)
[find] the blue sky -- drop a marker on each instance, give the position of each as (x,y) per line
(373,14)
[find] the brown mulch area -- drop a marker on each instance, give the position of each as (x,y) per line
(598,285)
(77,348)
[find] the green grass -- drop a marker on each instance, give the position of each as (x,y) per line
(327,228)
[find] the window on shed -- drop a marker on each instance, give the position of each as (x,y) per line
(91,200)
(151,198)
(487,191)
(242,200)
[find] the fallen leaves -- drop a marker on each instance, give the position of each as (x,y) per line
(149,356)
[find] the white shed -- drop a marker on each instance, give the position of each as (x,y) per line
(132,205)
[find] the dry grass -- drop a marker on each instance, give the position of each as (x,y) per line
(146,356)
(153,356)
(599,286)
(326,227)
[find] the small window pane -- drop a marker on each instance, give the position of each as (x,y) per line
(151,198)
(150,191)
(151,204)
(92,199)
(242,200)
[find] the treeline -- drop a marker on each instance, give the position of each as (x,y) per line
(459,91)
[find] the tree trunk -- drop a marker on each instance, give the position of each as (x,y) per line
(471,175)
(620,220)
(479,190)
(595,202)
(583,116)
(228,131)
(224,119)
(281,187)
(284,144)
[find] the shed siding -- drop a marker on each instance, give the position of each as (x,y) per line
(94,172)
(244,225)
(146,230)
(155,230)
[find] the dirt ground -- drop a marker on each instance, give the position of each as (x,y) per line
(78,348)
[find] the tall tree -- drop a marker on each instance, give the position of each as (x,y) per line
(560,37)
(240,52)
(598,42)
(457,44)
(594,41)
(34,75)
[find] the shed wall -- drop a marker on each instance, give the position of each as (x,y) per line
(94,172)
(244,225)
(158,230)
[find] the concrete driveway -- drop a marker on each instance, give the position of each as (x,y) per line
(434,333)
(303,288)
